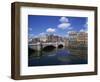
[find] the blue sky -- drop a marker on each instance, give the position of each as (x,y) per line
(59,25)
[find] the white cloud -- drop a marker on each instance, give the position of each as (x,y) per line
(64,25)
(67,36)
(83,30)
(64,20)
(30,29)
(69,32)
(42,33)
(73,31)
(70,28)
(51,30)
(86,25)
(30,35)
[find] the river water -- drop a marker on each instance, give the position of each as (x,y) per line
(61,56)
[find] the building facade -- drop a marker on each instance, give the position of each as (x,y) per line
(78,39)
(82,39)
(72,39)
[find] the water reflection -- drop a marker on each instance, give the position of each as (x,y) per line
(57,56)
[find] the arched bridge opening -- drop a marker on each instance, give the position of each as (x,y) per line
(60,46)
(49,48)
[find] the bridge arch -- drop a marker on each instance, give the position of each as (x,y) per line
(60,46)
(39,46)
(48,48)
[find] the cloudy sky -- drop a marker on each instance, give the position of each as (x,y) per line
(59,25)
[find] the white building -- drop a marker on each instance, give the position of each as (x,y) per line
(43,38)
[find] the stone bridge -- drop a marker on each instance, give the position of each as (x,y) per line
(38,46)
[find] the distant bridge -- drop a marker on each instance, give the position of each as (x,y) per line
(38,46)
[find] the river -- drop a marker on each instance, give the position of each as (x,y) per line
(61,56)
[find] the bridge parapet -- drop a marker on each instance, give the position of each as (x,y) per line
(39,45)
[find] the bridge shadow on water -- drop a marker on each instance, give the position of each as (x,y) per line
(48,49)
(36,53)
